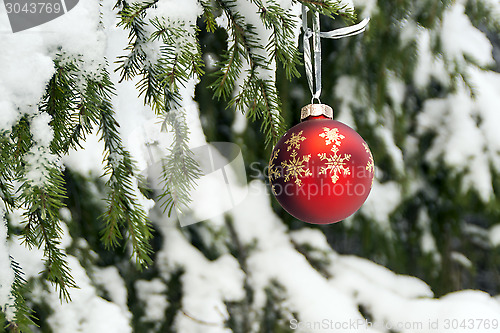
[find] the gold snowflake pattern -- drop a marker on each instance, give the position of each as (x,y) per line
(295,168)
(274,173)
(332,135)
(370,166)
(335,164)
(295,141)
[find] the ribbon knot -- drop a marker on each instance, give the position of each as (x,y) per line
(315,86)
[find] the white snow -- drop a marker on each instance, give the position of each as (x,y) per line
(386,134)
(495,235)
(405,302)
(206,284)
(427,242)
(38,160)
(459,141)
(152,295)
(170,9)
(381,202)
(41,131)
(428,66)
(313,237)
(494,7)
(30,260)
(348,90)
(87,312)
(460,38)
(461,259)
(369,7)
(392,299)
(109,278)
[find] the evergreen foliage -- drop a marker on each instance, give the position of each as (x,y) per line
(31,175)
(435,198)
(259,77)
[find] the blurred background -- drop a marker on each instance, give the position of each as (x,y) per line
(422,86)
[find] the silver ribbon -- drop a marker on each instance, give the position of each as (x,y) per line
(315,86)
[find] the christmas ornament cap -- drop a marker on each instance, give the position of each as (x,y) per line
(316,110)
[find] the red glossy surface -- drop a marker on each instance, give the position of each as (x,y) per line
(321,171)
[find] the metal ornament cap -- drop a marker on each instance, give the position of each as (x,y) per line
(316,110)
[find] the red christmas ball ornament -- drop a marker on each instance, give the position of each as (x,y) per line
(321,171)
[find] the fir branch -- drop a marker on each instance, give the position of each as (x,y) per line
(21,138)
(7,171)
(282,46)
(230,70)
(42,205)
(250,98)
(123,209)
(179,61)
(132,18)
(23,318)
(260,98)
(72,119)
(179,169)
(208,13)
(331,8)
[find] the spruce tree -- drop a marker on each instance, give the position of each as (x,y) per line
(410,89)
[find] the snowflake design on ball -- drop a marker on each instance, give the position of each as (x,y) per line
(295,141)
(370,166)
(295,168)
(274,173)
(335,164)
(332,135)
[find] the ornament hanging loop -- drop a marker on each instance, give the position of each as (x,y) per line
(316,85)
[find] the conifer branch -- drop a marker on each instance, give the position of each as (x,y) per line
(123,210)
(42,226)
(179,168)
(23,318)
(178,62)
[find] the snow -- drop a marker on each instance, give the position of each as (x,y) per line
(152,295)
(459,141)
(41,131)
(369,7)
(460,38)
(347,89)
(385,133)
(30,260)
(495,235)
(87,312)
(26,58)
(461,259)
(390,298)
(170,9)
(494,7)
(38,160)
(312,237)
(428,66)
(487,88)
(427,242)
(406,303)
(250,13)
(110,280)
(206,284)
(383,199)
(396,89)
(240,123)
